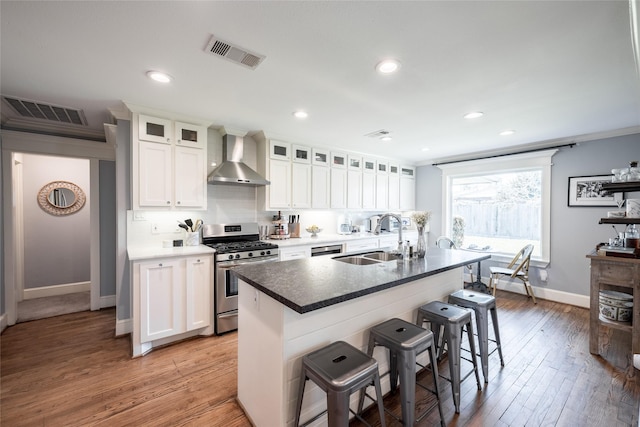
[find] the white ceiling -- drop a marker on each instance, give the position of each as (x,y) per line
(549,70)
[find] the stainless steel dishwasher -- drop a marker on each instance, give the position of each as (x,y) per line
(326,250)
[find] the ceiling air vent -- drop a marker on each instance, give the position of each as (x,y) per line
(234,53)
(40,110)
(378,134)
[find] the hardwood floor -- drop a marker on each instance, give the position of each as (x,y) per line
(69,370)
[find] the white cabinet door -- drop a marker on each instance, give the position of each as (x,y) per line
(279,150)
(363,245)
(190,178)
(300,185)
(199,292)
(368,191)
(382,191)
(338,188)
(321,191)
(407,188)
(354,189)
(161,299)
(280,187)
(154,174)
(394,192)
(154,129)
(188,135)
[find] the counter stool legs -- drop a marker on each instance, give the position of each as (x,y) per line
(339,369)
(454,320)
(405,341)
(481,303)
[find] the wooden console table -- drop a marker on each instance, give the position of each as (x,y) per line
(618,274)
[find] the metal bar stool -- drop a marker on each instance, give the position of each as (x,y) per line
(339,369)
(453,319)
(481,304)
(405,341)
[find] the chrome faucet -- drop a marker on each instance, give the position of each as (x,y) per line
(387,215)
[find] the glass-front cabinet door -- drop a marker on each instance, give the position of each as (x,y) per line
(320,157)
(154,129)
(368,165)
(189,135)
(301,154)
(279,150)
(338,160)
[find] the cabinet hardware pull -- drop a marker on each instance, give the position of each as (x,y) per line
(168,202)
(160,265)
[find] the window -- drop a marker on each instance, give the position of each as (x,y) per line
(501,204)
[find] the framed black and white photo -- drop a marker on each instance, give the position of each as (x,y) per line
(587,191)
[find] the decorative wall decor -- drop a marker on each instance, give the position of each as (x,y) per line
(61,198)
(587,191)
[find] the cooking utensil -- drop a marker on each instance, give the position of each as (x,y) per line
(197,225)
(189,223)
(181,225)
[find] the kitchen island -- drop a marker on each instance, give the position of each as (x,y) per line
(291,308)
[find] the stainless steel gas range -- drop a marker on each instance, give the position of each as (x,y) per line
(235,244)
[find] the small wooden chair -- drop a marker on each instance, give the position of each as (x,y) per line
(517,269)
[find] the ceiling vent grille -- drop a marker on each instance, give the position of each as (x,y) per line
(234,53)
(378,134)
(42,111)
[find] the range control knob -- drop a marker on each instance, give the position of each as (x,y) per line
(250,254)
(237,256)
(268,252)
(230,256)
(262,253)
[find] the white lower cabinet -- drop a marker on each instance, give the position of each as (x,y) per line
(171,296)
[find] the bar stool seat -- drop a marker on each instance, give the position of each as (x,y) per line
(481,304)
(405,341)
(339,369)
(453,319)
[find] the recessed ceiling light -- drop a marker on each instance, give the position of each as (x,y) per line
(473,115)
(388,66)
(300,114)
(507,132)
(159,77)
(426,149)
(386,138)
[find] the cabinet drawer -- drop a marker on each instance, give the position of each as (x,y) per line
(616,273)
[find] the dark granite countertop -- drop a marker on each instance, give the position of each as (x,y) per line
(310,284)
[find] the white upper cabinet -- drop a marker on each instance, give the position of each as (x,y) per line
(169,164)
(190,177)
(279,190)
(407,188)
(279,150)
(300,186)
(301,154)
(154,129)
(338,188)
(368,191)
(368,165)
(394,187)
(354,189)
(355,163)
(320,187)
(188,135)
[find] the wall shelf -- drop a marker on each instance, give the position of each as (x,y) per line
(619,187)
(624,220)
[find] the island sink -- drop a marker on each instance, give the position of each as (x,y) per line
(383,256)
(357,260)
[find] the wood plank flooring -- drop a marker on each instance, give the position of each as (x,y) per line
(70,371)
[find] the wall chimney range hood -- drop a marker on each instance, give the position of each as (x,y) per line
(232,170)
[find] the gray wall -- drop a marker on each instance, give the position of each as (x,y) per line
(574,230)
(107,227)
(56,248)
(123,204)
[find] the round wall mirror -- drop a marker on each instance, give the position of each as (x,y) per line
(61,198)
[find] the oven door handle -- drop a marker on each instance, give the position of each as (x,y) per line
(229,264)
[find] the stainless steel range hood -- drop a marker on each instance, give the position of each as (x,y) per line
(233,170)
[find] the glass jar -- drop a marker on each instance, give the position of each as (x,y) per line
(633,172)
(631,237)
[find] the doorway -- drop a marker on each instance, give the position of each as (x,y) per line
(28,143)
(52,200)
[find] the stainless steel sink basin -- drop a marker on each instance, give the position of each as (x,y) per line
(382,256)
(357,260)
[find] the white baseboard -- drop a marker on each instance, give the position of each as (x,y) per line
(50,291)
(107,301)
(544,293)
(123,327)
